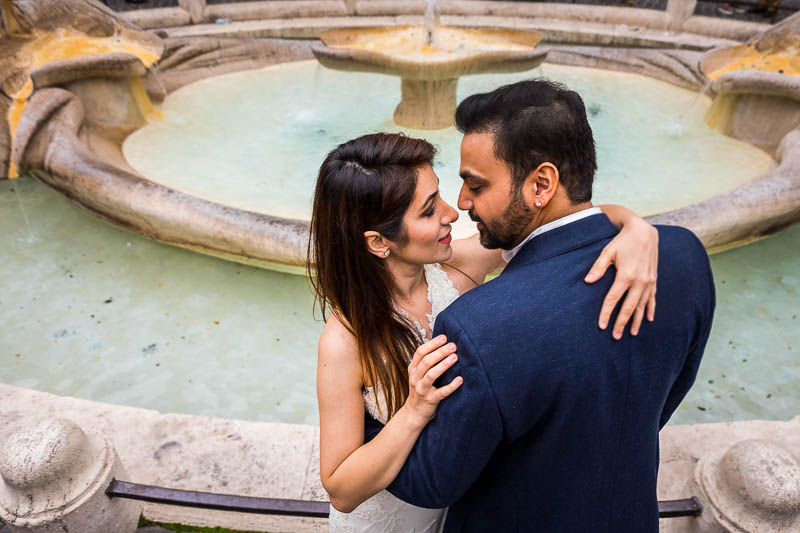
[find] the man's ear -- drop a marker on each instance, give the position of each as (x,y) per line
(376,244)
(541,184)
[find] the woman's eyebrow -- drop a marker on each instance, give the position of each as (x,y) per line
(428,200)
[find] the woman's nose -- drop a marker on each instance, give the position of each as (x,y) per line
(451,215)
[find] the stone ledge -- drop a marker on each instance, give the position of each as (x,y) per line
(158,18)
(552,30)
(282,460)
(279,9)
(192,452)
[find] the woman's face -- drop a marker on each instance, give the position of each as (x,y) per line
(427,223)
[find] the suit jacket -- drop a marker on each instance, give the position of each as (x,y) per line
(555,428)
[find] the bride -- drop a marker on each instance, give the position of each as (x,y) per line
(385,265)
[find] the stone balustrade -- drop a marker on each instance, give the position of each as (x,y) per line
(53,476)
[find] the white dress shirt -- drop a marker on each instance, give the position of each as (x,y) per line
(508,255)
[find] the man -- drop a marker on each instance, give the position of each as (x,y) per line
(555,428)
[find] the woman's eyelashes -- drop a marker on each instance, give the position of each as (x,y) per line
(432,209)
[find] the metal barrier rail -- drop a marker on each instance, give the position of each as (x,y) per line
(312,509)
(221,502)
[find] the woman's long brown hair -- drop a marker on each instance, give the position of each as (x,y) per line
(365,184)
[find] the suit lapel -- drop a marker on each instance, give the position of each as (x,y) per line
(564,239)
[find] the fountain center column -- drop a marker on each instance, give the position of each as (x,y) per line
(427,104)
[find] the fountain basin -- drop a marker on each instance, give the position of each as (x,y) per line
(429,72)
(73,144)
(272,171)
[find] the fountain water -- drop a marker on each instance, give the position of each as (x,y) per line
(432,15)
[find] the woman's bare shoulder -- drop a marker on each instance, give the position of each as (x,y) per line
(338,345)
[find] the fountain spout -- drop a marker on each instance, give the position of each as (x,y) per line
(430,75)
(432,14)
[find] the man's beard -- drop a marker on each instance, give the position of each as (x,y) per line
(504,233)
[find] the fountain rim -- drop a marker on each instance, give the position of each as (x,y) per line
(334,52)
(298,264)
(724,221)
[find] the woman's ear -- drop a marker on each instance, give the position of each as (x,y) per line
(376,244)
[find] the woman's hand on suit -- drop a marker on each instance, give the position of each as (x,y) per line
(430,361)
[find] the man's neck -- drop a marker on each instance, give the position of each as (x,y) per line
(549,213)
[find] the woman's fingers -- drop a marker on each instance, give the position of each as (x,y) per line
(447,390)
(425,349)
(628,308)
(433,358)
(614,295)
(437,370)
(600,266)
(651,306)
(638,315)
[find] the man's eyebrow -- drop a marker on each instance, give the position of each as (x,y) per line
(466,174)
(428,200)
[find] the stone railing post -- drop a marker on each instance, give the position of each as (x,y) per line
(53,478)
(679,12)
(196,9)
(753,487)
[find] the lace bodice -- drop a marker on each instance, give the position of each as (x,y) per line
(441,293)
(383,512)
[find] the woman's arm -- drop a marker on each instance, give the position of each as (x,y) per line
(634,252)
(352,471)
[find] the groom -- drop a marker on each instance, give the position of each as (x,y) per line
(555,428)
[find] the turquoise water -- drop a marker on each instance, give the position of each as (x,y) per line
(96,312)
(255,139)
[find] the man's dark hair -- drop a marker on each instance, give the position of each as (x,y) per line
(533,122)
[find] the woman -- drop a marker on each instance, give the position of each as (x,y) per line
(385,266)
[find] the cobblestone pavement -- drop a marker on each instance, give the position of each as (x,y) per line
(752,10)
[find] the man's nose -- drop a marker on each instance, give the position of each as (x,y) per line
(464,201)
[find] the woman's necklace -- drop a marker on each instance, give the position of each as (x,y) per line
(418,320)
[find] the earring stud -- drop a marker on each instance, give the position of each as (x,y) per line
(538,204)
(386,253)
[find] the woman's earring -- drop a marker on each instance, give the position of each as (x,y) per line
(386,253)
(538,204)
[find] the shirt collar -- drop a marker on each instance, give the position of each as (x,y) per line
(508,255)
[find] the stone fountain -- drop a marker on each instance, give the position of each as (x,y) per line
(66,128)
(77,79)
(429,59)
(757,85)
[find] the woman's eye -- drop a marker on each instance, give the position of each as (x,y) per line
(429,212)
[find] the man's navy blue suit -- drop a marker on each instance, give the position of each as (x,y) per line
(555,428)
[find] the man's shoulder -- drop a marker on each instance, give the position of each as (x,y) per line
(677,235)
(486,302)
(679,244)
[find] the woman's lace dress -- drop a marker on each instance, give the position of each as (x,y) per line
(383,512)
